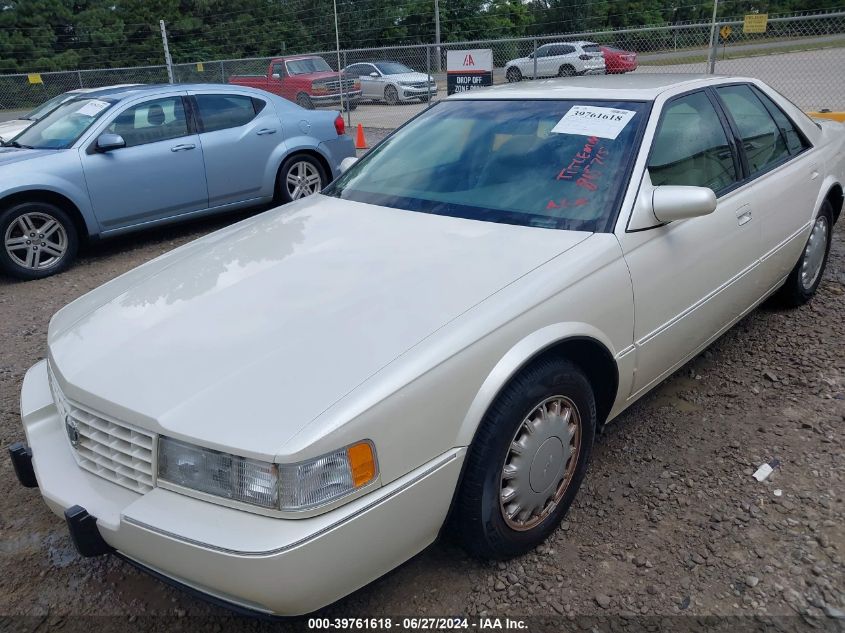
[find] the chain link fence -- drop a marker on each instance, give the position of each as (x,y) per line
(802,56)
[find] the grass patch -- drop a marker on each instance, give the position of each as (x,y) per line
(727,54)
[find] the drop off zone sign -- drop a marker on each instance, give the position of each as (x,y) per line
(466,70)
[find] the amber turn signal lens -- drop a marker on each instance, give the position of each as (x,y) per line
(362,463)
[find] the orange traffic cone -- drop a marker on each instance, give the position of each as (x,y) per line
(360,141)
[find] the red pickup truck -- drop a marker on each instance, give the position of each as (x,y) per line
(305,79)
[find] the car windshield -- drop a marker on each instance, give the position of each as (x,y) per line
(47,106)
(308,65)
(544,163)
(393,68)
(63,126)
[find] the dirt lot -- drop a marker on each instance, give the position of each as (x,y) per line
(669,524)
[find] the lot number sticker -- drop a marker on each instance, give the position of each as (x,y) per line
(93,107)
(594,121)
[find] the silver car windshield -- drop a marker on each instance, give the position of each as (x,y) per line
(63,126)
(48,105)
(393,68)
(543,163)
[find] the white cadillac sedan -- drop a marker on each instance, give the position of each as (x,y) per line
(284,410)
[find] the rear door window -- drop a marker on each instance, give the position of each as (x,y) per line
(223,111)
(762,140)
(691,147)
(795,141)
(591,48)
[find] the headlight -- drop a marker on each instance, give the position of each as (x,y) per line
(285,487)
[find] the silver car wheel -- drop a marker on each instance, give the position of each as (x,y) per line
(540,463)
(35,240)
(811,262)
(303,180)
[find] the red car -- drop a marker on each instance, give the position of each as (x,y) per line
(617,61)
(305,79)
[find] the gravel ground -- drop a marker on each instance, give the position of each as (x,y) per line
(670,522)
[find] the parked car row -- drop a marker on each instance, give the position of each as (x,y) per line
(282,411)
(112,161)
(567,59)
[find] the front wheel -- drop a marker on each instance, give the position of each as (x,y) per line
(299,176)
(39,240)
(304,101)
(527,461)
(806,276)
(391,95)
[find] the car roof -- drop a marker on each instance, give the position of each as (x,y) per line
(131,90)
(630,86)
(570,42)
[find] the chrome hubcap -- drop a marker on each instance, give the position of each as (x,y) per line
(35,240)
(540,463)
(302,180)
(811,264)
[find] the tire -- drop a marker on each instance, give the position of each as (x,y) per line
(304,101)
(36,254)
(479,513)
(566,71)
(391,95)
(297,167)
(806,276)
(513,75)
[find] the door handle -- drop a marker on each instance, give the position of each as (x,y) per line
(266,131)
(183,147)
(743,214)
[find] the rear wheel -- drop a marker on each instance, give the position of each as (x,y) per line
(566,71)
(805,278)
(527,461)
(39,240)
(391,95)
(304,101)
(513,75)
(299,176)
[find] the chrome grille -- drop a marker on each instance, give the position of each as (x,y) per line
(117,452)
(348,84)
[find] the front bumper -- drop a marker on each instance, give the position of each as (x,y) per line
(258,563)
(335,99)
(411,92)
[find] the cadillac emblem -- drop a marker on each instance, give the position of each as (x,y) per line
(72,431)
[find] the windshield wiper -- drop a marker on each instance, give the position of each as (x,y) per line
(16,144)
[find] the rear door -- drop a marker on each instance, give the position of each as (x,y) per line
(562,57)
(158,174)
(239,134)
(782,168)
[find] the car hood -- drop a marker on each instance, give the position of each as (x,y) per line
(240,339)
(10,129)
(327,74)
(9,155)
(408,77)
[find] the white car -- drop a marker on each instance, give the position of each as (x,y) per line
(558,59)
(392,82)
(10,129)
(284,410)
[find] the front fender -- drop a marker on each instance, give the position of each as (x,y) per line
(55,184)
(516,358)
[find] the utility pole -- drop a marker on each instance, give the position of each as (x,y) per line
(437,34)
(167,59)
(713,41)
(340,68)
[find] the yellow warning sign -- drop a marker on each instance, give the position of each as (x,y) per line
(34,78)
(755,23)
(725,32)
(200,67)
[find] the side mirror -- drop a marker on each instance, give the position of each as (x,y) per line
(108,142)
(276,76)
(346,163)
(374,75)
(671,202)
(530,55)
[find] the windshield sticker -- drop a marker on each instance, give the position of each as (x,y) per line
(93,108)
(594,121)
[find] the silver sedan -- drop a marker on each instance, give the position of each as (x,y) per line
(392,82)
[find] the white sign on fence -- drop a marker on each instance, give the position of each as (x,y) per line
(469,69)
